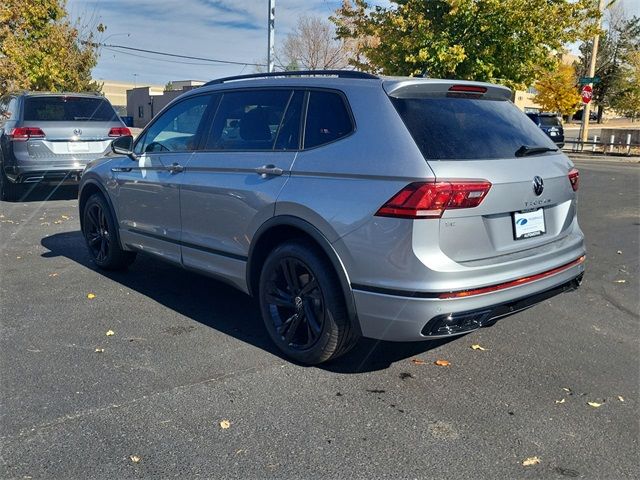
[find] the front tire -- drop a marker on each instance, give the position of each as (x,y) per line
(302,304)
(99,230)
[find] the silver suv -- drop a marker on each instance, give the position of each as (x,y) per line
(351,205)
(50,137)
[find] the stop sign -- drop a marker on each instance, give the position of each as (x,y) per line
(587,93)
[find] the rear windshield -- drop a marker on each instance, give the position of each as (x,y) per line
(446,128)
(548,121)
(68,109)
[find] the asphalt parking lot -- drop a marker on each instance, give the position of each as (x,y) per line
(188,353)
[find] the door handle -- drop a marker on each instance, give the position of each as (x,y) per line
(267,170)
(175,168)
(121,169)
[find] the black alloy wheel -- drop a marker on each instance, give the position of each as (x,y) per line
(295,303)
(99,230)
(302,304)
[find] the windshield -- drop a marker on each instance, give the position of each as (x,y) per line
(447,128)
(68,109)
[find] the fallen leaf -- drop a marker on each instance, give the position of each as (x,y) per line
(91,296)
(135,458)
(442,363)
(57,222)
(18,258)
(99,350)
(620,281)
(566,389)
(620,398)
(53,274)
(224,424)
(64,217)
(531,461)
(594,404)
(560,401)
(477,347)
(110,333)
(619,252)
(417,361)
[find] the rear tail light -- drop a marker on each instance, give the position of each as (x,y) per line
(119,132)
(574,178)
(22,134)
(431,199)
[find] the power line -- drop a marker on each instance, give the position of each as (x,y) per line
(159,59)
(174,55)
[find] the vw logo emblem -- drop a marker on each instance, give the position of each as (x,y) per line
(77,132)
(538,185)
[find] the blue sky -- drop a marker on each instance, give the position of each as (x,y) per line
(223,29)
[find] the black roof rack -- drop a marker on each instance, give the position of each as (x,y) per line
(297,73)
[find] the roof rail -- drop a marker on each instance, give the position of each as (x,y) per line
(297,73)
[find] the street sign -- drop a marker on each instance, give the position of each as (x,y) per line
(587,93)
(586,80)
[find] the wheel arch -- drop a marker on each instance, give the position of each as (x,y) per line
(285,227)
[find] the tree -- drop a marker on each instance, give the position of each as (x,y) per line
(620,39)
(505,41)
(557,90)
(313,46)
(41,50)
(627,100)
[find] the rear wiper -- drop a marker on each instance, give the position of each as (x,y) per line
(526,150)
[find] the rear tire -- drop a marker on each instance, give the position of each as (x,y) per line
(9,191)
(303,306)
(100,233)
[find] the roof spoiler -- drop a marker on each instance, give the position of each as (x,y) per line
(420,87)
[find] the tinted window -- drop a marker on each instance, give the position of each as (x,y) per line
(547,121)
(289,133)
(327,119)
(468,129)
(176,129)
(248,120)
(68,109)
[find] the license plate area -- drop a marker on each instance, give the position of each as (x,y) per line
(528,224)
(78,147)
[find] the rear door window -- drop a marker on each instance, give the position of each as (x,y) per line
(446,128)
(249,120)
(68,109)
(327,119)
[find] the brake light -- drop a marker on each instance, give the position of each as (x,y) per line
(468,89)
(431,199)
(574,178)
(119,132)
(22,134)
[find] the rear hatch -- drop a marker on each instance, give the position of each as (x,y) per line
(69,126)
(472,132)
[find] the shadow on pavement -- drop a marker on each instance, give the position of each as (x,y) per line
(42,193)
(222,307)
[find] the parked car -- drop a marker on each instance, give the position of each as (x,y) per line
(593,116)
(50,137)
(550,124)
(399,209)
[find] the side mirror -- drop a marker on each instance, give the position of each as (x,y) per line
(124,146)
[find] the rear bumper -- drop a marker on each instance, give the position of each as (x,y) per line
(45,174)
(391,317)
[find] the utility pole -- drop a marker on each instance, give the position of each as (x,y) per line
(272,27)
(592,71)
